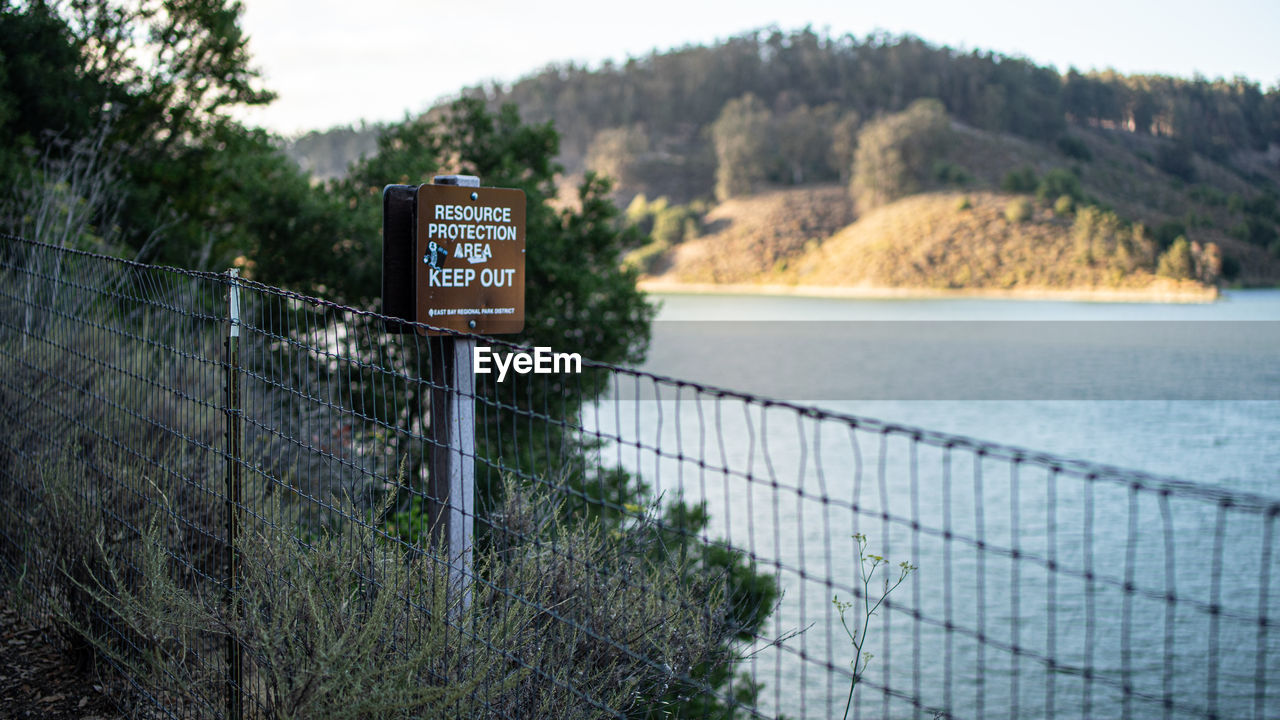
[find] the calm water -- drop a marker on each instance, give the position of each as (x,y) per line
(1211,415)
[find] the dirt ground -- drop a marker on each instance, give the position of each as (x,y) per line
(38,681)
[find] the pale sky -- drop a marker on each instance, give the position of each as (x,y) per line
(334,62)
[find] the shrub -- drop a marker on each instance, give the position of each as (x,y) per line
(1018,210)
(1208,195)
(1255,230)
(335,614)
(1064,205)
(1263,206)
(1166,232)
(670,224)
(343,620)
(1056,183)
(1021,180)
(644,259)
(1074,147)
(964,203)
(949,173)
(1175,158)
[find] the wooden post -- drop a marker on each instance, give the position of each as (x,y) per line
(451,485)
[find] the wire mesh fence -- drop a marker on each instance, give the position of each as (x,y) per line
(241,520)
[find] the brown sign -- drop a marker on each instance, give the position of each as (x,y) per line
(471,258)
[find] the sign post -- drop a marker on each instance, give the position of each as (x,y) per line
(453,258)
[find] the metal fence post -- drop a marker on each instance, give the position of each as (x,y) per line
(235,709)
(451,485)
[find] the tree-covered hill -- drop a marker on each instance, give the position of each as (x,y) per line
(653,116)
(768,110)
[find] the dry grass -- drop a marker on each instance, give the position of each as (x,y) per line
(745,238)
(928,241)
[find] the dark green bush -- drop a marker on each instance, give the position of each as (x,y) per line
(949,173)
(1074,147)
(1175,158)
(1166,232)
(1056,183)
(1021,180)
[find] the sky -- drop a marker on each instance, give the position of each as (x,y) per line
(335,62)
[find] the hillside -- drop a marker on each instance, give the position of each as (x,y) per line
(1124,215)
(746,121)
(745,239)
(949,241)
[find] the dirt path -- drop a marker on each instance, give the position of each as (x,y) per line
(37,680)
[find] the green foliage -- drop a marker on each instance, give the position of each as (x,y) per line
(1177,262)
(676,95)
(670,558)
(577,295)
(645,611)
(1018,210)
(806,144)
(147,86)
(949,173)
(868,564)
(639,213)
(1064,205)
(1021,180)
(1231,267)
(964,203)
(1261,214)
(664,223)
(1168,231)
(668,227)
(1102,239)
(671,224)
(1073,147)
(1058,182)
(644,259)
(1254,230)
(1263,206)
(43,91)
(741,139)
(844,145)
(616,153)
(896,153)
(1175,158)
(1208,195)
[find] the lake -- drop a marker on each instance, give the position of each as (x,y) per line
(981,630)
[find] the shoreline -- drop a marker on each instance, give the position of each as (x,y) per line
(1164,294)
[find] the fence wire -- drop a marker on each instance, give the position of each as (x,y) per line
(250,528)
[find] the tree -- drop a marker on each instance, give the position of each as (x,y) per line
(1177,262)
(896,152)
(844,145)
(43,93)
(614,152)
(155,78)
(804,145)
(741,138)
